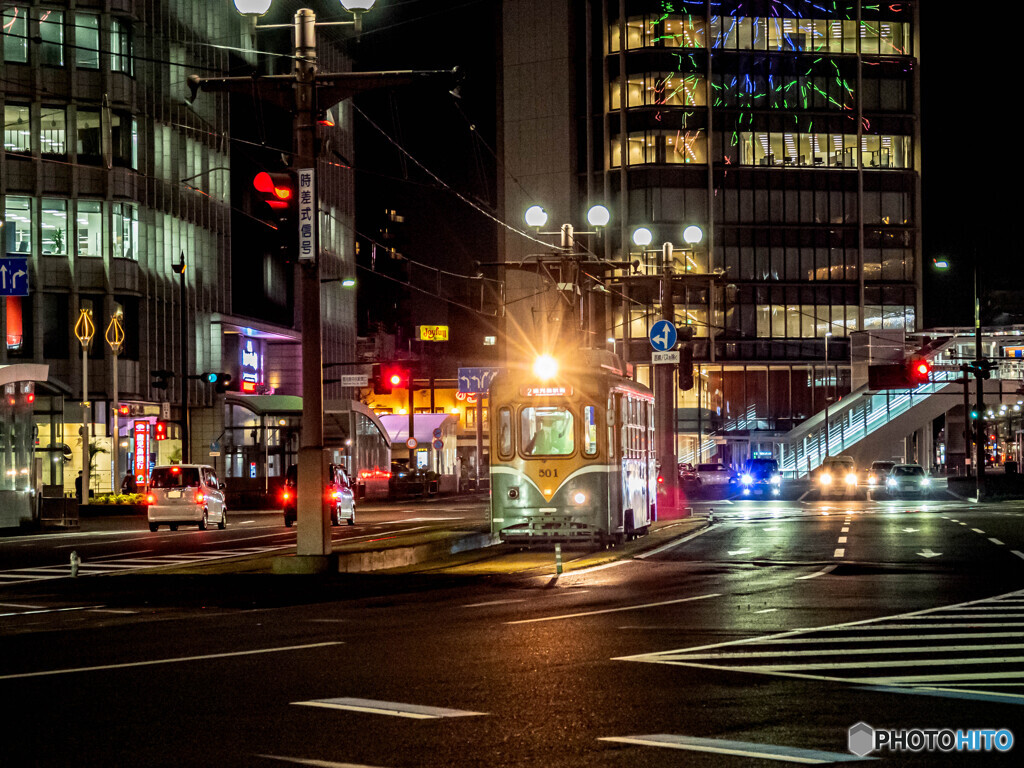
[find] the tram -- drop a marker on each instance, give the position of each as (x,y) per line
(572,452)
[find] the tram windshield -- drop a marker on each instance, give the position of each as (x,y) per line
(546,431)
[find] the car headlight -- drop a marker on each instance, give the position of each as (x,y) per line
(776,479)
(825,478)
(746,479)
(872,479)
(851,479)
(926,481)
(891,482)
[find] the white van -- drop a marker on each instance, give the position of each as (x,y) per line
(185,494)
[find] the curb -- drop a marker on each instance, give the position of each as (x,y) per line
(399,557)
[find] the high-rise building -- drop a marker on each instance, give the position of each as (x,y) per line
(108,176)
(787,131)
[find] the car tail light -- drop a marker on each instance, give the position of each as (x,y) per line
(285,495)
(335,494)
(200,498)
(661,479)
(151,499)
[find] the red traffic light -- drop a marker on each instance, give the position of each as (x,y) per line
(919,371)
(160,430)
(278,188)
(397,378)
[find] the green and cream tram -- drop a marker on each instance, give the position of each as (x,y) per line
(572,452)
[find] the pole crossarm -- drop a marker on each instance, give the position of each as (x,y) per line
(331,87)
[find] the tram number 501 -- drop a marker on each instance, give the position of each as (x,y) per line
(549,473)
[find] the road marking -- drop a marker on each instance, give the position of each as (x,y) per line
(910,530)
(174,660)
(767,610)
(20,605)
(739,748)
(739,552)
(52,610)
(996,541)
(816,574)
(662,548)
(613,610)
(776,653)
(977,530)
(846,529)
(373,707)
(493,602)
(842,540)
(1018,554)
(963,523)
(928,553)
(1003,698)
(315,763)
(841,552)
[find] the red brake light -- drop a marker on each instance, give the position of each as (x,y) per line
(661,479)
(285,495)
(199,497)
(175,470)
(151,499)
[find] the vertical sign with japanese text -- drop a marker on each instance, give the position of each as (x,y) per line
(140,456)
(307,214)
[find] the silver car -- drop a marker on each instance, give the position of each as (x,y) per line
(908,479)
(185,494)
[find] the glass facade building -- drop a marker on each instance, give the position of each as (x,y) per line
(789,132)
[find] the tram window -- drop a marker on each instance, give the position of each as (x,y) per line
(505,433)
(590,430)
(546,431)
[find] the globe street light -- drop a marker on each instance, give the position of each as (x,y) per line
(252,7)
(693,234)
(598,216)
(642,236)
(536,216)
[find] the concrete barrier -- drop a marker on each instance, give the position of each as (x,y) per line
(399,557)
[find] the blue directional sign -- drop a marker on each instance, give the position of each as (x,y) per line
(663,335)
(476,381)
(14,276)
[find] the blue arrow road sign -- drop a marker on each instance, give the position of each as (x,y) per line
(663,335)
(14,276)
(476,381)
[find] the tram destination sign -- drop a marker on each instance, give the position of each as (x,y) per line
(546,392)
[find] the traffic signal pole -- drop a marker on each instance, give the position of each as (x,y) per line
(981,434)
(664,400)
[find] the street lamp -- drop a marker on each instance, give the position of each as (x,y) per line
(115,340)
(85,329)
(980,370)
(536,216)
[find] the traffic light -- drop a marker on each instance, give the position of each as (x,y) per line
(220,380)
(686,367)
(975,412)
(396,377)
(918,371)
(279,195)
(160,430)
(380,386)
(160,378)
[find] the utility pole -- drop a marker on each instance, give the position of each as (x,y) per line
(979,372)
(664,413)
(304,92)
(186,446)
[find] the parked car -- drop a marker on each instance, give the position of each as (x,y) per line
(760,477)
(713,474)
(185,494)
(338,499)
(836,475)
(879,473)
(908,479)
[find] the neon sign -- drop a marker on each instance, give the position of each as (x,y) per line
(251,365)
(140,455)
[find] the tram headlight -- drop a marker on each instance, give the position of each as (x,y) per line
(545,367)
(579,497)
(513,493)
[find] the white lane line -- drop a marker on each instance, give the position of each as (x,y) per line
(51,610)
(1018,554)
(493,602)
(977,530)
(738,748)
(842,540)
(121,554)
(20,605)
(645,555)
(889,638)
(767,610)
(314,763)
(816,574)
(174,660)
(883,627)
(845,529)
(112,610)
(374,707)
(841,552)
(613,610)
(776,653)
(996,541)
(832,665)
(983,676)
